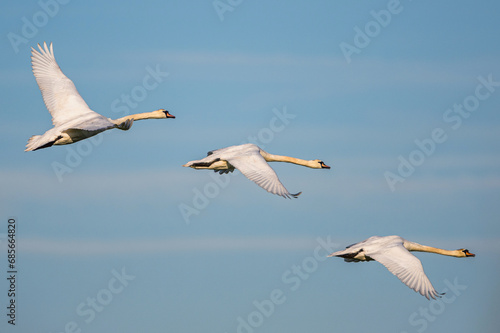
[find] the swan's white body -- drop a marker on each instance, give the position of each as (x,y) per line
(252,162)
(393,253)
(72,118)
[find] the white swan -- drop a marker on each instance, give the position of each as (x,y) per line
(252,162)
(393,253)
(72,118)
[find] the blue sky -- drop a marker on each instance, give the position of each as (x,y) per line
(109,227)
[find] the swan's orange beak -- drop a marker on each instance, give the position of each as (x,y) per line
(168,115)
(468,254)
(324,166)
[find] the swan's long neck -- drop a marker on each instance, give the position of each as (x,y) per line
(411,246)
(278,158)
(141,116)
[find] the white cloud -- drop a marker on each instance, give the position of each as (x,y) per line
(92,247)
(95,247)
(365,73)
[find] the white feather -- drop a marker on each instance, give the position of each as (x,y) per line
(394,253)
(72,118)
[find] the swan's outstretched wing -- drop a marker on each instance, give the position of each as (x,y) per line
(59,93)
(255,168)
(408,268)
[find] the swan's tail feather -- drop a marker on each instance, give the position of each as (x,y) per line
(199,164)
(32,142)
(35,143)
(348,256)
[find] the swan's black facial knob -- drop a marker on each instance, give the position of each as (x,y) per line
(467,253)
(168,115)
(323,165)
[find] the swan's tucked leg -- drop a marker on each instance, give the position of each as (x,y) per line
(125,126)
(223,171)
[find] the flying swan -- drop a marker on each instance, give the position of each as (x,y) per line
(72,118)
(393,253)
(252,162)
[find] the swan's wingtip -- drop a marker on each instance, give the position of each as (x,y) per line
(434,295)
(290,195)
